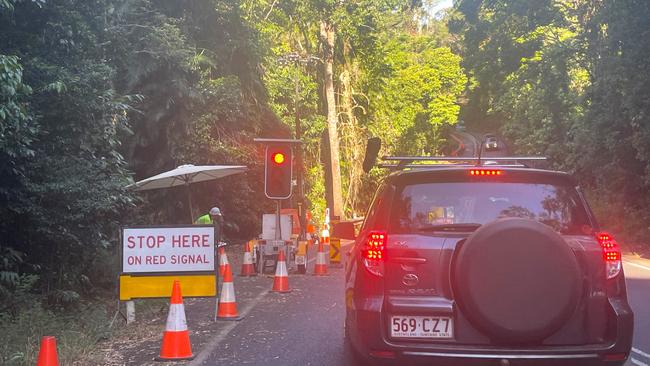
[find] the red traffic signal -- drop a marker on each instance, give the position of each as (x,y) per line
(278,171)
(278,158)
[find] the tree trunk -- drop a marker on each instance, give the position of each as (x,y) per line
(327,40)
(352,137)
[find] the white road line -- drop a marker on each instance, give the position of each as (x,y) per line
(638,351)
(637,362)
(219,337)
(637,265)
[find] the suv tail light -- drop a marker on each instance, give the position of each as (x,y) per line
(611,254)
(374,252)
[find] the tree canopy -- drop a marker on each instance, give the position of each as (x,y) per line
(564,79)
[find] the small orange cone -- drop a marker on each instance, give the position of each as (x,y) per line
(281,279)
(47,355)
(223,261)
(176,338)
(247,268)
(227,303)
(320,269)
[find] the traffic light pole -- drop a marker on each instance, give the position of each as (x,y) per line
(297,60)
(278,226)
(299,165)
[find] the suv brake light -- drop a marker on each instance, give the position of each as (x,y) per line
(490,172)
(611,254)
(374,252)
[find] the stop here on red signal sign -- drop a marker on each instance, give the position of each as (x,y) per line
(173,249)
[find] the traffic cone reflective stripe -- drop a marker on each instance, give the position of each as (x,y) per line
(281,279)
(227,303)
(223,261)
(176,338)
(47,355)
(321,261)
(176,321)
(247,268)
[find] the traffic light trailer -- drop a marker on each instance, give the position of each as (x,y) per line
(278,185)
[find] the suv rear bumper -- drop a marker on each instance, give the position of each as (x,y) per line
(455,357)
(371,342)
(494,357)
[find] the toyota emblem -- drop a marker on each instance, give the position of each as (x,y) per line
(410,279)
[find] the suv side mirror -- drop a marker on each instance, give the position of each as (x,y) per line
(372,150)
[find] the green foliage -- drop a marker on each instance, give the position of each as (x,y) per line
(104,88)
(17,128)
(66,198)
(419,97)
(394,78)
(194,64)
(566,79)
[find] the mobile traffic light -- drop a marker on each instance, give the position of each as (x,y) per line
(278,171)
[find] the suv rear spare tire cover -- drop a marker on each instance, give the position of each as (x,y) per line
(516,280)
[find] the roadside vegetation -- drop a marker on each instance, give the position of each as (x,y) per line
(97,94)
(567,79)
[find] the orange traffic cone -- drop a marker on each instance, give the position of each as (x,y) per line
(223,261)
(320,269)
(281,279)
(176,338)
(47,355)
(227,304)
(247,268)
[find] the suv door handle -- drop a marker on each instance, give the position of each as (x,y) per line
(409,260)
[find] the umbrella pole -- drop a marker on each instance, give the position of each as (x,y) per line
(189,200)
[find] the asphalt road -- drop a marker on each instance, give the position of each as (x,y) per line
(304,327)
(469,145)
(637,275)
(466,142)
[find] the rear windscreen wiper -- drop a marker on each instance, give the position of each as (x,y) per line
(468,226)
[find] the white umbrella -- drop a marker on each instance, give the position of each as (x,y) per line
(186,175)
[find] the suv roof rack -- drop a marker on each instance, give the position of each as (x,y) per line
(403,162)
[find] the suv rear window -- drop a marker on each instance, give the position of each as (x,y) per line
(418,206)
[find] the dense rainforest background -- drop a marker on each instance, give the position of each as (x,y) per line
(95,94)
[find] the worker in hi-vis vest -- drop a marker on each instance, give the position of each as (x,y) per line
(203,220)
(207,219)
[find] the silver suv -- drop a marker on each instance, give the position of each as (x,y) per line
(466,264)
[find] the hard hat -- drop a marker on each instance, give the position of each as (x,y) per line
(215,211)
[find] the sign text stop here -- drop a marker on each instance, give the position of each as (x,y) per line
(173,249)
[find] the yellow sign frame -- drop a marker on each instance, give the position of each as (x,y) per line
(139,287)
